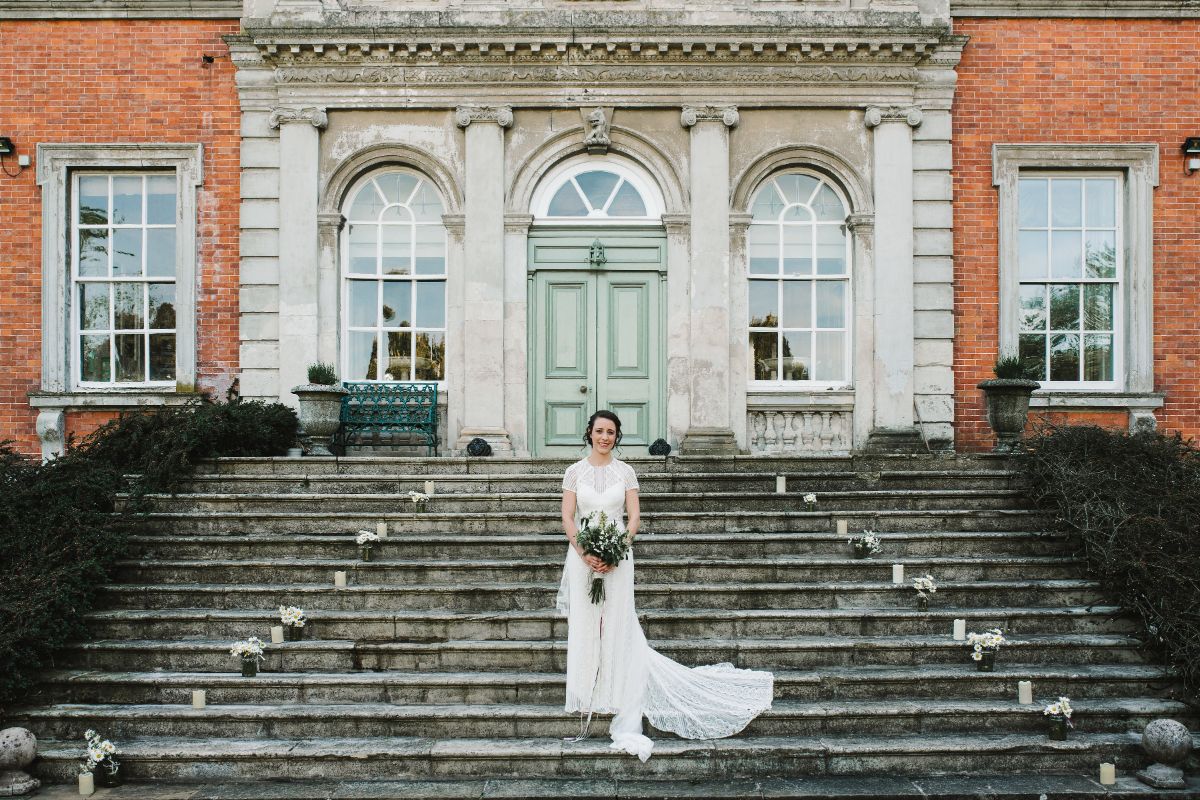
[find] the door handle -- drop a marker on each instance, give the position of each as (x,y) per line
(583,389)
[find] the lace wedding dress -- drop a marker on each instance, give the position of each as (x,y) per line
(610,667)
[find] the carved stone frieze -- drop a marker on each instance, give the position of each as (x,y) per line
(877,115)
(501,115)
(693,114)
(313,116)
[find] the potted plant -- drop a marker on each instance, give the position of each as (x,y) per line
(924,585)
(250,652)
(419,500)
(810,502)
(293,620)
(1059,713)
(867,544)
(984,647)
(1007,398)
(320,407)
(102,761)
(366,543)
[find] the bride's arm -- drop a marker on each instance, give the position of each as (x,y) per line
(568,519)
(634,511)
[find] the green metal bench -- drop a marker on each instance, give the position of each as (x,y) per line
(371,409)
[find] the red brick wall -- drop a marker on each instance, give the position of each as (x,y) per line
(114,81)
(1029,80)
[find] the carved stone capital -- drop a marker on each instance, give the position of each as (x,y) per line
(860,223)
(517,223)
(693,114)
(501,115)
(313,116)
(877,115)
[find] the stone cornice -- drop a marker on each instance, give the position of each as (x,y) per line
(1104,9)
(313,116)
(693,114)
(120,9)
(877,115)
(501,115)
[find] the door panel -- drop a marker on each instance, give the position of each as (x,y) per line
(566,359)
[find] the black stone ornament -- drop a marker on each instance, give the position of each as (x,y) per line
(660,448)
(479,447)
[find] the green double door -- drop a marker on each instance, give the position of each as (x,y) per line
(596,336)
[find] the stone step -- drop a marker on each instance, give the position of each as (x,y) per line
(897,544)
(796,652)
(933,681)
(659,522)
(412,757)
(786,718)
(779,569)
(546,624)
(513,596)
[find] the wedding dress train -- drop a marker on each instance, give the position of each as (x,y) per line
(610,667)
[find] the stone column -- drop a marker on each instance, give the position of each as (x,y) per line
(892,366)
(299,281)
(483,276)
(710,426)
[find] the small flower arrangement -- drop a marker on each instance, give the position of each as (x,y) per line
(810,502)
(418,499)
(101,758)
(1059,713)
(367,538)
(867,544)
(925,586)
(984,647)
(292,616)
(251,652)
(602,537)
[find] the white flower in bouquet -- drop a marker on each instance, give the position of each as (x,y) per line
(367,537)
(990,641)
(810,499)
(249,649)
(868,541)
(417,497)
(292,616)
(925,584)
(1060,708)
(99,751)
(602,537)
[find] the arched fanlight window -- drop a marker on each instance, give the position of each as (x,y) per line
(799,276)
(597,190)
(394,280)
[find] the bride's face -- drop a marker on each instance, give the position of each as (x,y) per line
(604,435)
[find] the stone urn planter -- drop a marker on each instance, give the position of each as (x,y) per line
(320,414)
(1007,409)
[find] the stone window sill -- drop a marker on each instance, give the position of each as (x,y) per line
(831,400)
(1095,400)
(110,399)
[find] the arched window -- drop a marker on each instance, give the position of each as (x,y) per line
(394,280)
(597,191)
(799,273)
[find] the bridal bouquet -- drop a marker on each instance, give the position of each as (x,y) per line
(603,538)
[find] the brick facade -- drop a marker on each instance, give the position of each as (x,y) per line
(115,81)
(1083,81)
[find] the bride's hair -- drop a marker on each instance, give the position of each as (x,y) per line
(603,413)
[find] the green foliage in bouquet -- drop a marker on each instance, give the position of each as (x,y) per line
(602,537)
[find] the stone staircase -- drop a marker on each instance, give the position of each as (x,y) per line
(443,658)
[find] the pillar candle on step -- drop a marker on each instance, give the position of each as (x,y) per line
(781,484)
(960,630)
(87,784)
(1108,774)
(277,634)
(339,579)
(843,527)
(429,488)
(199,698)
(897,573)
(1025,693)
(381,530)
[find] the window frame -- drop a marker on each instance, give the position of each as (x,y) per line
(554,180)
(57,165)
(1138,166)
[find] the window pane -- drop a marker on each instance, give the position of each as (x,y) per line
(131,357)
(93,253)
(1098,357)
(763,243)
(1064,306)
(426,205)
(831,356)
(94,359)
(361,355)
(797,188)
(1064,357)
(828,206)
(397,304)
(367,204)
(1032,202)
(431,356)
(597,186)
(160,199)
(1033,307)
(431,250)
(831,304)
(127,251)
(160,252)
(764,349)
(431,304)
(127,200)
(764,304)
(1033,262)
(127,306)
(397,187)
(162,308)
(1098,306)
(399,361)
(396,215)
(798,214)
(1066,254)
(831,250)
(362,249)
(767,204)
(1101,203)
(397,249)
(1032,352)
(363,299)
(93,200)
(162,356)
(1101,254)
(1066,203)
(627,203)
(93,306)
(797,304)
(797,349)
(567,202)
(797,249)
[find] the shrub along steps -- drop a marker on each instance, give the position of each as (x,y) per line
(165,758)
(443,625)
(930,681)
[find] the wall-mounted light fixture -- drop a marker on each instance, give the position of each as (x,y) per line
(6,146)
(1191,152)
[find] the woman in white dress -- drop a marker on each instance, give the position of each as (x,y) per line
(610,668)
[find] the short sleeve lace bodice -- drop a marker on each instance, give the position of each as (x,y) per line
(599,479)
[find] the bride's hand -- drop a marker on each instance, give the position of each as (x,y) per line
(596,564)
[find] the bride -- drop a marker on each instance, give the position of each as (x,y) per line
(610,667)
